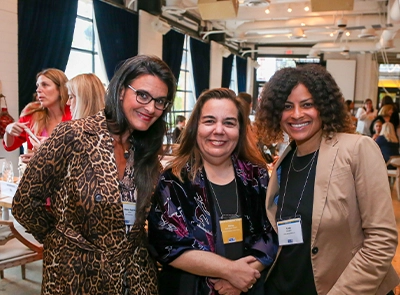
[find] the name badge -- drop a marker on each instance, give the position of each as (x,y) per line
(129,212)
(289,232)
(232,230)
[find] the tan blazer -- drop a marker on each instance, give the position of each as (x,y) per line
(353,236)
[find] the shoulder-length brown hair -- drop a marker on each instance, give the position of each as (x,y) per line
(327,97)
(188,150)
(39,114)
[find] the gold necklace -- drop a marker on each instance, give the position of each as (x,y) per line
(299,170)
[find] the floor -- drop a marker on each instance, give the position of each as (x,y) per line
(12,284)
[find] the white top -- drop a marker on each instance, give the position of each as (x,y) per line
(364,121)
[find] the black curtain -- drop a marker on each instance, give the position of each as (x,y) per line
(118,34)
(200,53)
(173,51)
(241,68)
(226,71)
(45,32)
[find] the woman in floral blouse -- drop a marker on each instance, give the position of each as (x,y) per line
(208,224)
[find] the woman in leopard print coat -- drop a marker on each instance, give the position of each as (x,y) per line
(79,190)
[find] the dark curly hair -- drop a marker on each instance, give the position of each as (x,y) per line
(328,100)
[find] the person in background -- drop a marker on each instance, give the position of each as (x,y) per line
(328,198)
(180,124)
(388,142)
(100,173)
(40,117)
(248,102)
(350,110)
(85,95)
(364,117)
(216,182)
(377,127)
(268,152)
(394,117)
(386,112)
(350,106)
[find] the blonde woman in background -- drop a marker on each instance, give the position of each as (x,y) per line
(388,142)
(85,95)
(42,116)
(386,112)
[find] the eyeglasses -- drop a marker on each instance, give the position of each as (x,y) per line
(161,103)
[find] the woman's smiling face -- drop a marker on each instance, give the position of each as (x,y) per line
(218,130)
(300,119)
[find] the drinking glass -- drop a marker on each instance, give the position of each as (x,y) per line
(7,171)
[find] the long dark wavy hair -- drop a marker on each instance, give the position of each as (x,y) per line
(147,144)
(328,100)
(189,151)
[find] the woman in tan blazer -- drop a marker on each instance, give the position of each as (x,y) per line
(328,198)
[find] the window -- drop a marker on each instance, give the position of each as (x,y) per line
(233,84)
(185,96)
(84,56)
(269,65)
(389,77)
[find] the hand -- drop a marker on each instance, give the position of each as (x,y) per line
(26,157)
(241,275)
(224,287)
(270,166)
(16,128)
(37,145)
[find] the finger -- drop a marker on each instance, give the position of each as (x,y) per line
(249,259)
(41,138)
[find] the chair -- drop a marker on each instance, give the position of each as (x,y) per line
(394,174)
(17,247)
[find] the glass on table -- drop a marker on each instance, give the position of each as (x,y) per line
(7,171)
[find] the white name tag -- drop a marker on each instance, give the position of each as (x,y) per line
(129,212)
(289,232)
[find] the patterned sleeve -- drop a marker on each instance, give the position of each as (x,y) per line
(171,230)
(41,179)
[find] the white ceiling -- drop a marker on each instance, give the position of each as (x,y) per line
(253,27)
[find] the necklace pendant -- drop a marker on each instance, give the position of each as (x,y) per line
(126,154)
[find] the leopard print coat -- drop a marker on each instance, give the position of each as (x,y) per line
(86,247)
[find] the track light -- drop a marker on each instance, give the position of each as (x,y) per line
(289,9)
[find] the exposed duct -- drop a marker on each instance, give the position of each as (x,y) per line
(351,47)
(328,22)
